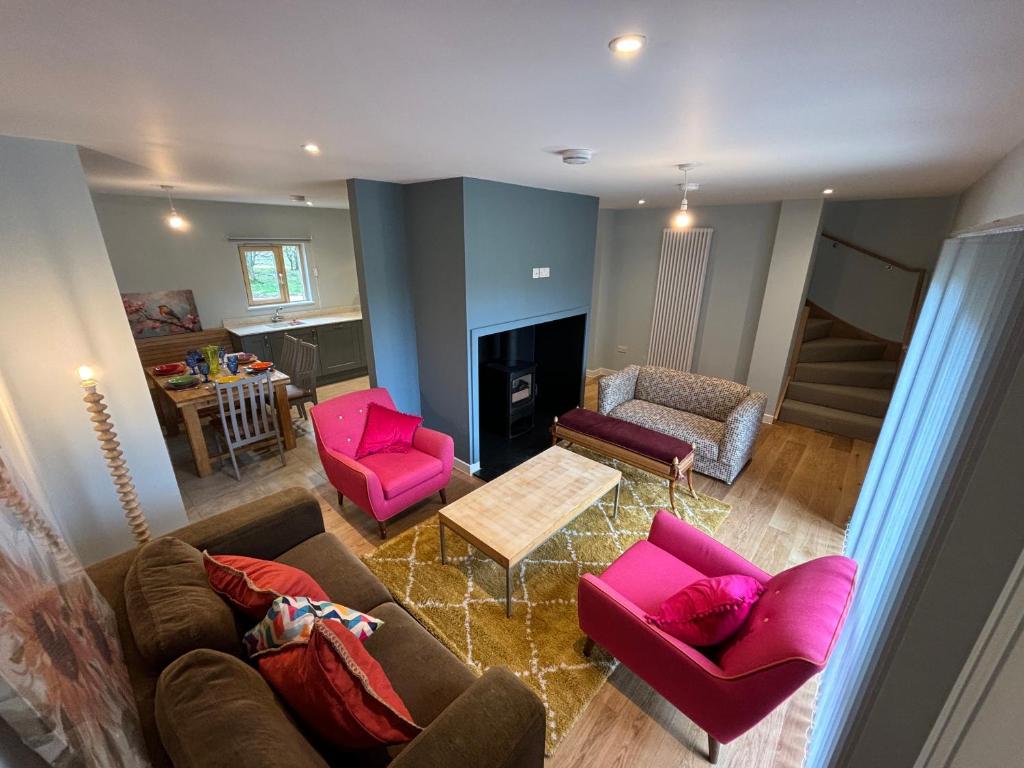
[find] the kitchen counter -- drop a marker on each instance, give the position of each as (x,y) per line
(251,329)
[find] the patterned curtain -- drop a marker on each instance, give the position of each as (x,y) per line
(63,684)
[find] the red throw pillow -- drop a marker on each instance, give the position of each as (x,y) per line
(337,689)
(251,585)
(709,611)
(387,431)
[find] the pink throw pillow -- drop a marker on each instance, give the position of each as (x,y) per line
(387,431)
(709,611)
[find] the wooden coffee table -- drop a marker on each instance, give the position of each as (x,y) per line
(512,515)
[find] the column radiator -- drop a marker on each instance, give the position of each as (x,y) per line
(677,299)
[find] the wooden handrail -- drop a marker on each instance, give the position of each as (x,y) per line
(873,255)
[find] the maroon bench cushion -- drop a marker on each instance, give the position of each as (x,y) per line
(624,434)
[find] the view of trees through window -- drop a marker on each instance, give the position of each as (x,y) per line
(275,273)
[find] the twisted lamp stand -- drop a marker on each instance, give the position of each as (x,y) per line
(26,513)
(119,471)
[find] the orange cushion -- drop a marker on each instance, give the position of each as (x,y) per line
(337,689)
(251,585)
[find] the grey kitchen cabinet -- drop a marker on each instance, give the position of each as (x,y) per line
(341,351)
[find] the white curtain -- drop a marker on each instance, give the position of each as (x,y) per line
(965,321)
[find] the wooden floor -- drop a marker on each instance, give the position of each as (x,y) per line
(789,505)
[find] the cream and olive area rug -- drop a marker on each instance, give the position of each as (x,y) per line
(463,603)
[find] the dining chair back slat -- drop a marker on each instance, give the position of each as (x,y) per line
(248,415)
(303,373)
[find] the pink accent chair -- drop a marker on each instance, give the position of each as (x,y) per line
(726,690)
(383,484)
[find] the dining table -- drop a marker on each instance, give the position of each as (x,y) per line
(189,402)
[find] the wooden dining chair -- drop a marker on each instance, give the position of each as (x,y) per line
(248,418)
(303,373)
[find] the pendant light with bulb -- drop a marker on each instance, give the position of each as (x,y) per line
(174,220)
(683,218)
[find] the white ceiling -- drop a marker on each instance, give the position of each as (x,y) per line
(876,98)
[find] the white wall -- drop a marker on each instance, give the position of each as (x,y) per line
(628,250)
(861,290)
(785,291)
(999,194)
(60,308)
(149,256)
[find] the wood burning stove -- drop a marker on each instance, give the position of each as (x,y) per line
(508,397)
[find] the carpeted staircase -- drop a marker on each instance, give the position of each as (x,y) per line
(840,385)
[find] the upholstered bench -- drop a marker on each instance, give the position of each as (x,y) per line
(643,448)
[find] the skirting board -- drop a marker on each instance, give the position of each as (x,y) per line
(767,419)
(469,469)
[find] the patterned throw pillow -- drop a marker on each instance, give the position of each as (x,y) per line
(290,620)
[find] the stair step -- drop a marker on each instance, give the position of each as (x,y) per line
(817,328)
(880,374)
(832,348)
(855,425)
(866,400)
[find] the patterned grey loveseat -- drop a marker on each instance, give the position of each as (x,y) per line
(719,418)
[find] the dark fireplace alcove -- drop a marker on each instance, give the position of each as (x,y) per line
(526,376)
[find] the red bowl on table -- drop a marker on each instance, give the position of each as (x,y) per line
(168,369)
(261,366)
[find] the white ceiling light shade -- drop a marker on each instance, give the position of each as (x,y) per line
(827,191)
(641,201)
(310,148)
(174,220)
(627,44)
(683,218)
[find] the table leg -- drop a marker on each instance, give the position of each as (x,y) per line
(618,487)
(169,412)
(194,430)
(284,416)
(689,482)
(444,552)
(508,592)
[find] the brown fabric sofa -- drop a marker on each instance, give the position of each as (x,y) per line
(468,721)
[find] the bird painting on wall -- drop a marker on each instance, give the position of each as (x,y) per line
(161,313)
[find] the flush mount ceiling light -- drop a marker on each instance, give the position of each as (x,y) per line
(627,44)
(300,199)
(576,156)
(684,218)
(310,148)
(174,220)
(827,191)
(641,201)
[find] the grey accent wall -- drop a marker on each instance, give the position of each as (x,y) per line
(437,255)
(629,248)
(389,320)
(862,290)
(149,256)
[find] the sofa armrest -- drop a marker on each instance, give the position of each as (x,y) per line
(616,388)
(496,723)
(265,528)
(698,550)
(436,444)
(741,428)
(352,479)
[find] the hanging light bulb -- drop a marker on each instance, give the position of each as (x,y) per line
(683,218)
(174,219)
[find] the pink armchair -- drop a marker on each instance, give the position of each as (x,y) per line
(383,484)
(727,690)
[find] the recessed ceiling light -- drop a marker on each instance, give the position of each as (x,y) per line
(309,202)
(827,191)
(311,148)
(641,201)
(627,44)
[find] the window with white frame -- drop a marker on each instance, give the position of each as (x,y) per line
(275,273)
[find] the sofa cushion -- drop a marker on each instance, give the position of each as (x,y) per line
(398,472)
(648,575)
(171,607)
(704,396)
(342,575)
(252,585)
(215,710)
(626,434)
(291,618)
(338,690)
(423,672)
(709,611)
(705,435)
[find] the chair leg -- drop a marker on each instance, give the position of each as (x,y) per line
(689,482)
(383,529)
(444,495)
(672,494)
(234,463)
(588,647)
(713,749)
(341,500)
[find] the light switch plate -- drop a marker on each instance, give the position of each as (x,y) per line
(545,271)
(536,272)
